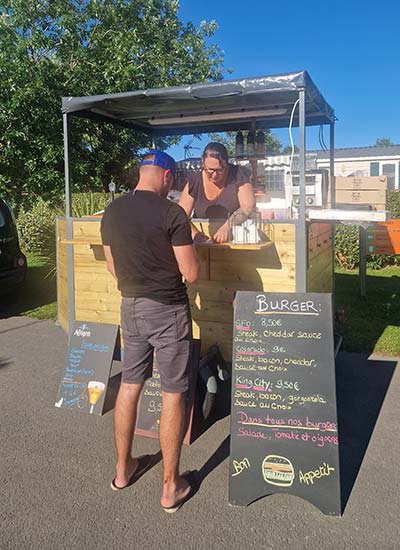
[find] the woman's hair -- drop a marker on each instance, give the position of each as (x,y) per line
(216,151)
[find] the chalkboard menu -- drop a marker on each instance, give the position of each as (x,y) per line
(90,353)
(148,420)
(284,435)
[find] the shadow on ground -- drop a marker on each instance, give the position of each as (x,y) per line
(39,289)
(361,388)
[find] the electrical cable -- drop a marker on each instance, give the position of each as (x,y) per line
(321,138)
(291,137)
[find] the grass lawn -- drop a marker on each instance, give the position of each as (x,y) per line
(371,323)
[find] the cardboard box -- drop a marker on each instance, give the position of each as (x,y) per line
(361,183)
(362,196)
(361,190)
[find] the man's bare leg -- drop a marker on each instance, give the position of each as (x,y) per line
(124,426)
(172,424)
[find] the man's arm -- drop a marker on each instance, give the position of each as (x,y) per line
(109,260)
(187,203)
(188,262)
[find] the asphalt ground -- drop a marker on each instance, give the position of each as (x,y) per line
(56,468)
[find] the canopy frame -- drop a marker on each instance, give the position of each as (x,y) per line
(265,102)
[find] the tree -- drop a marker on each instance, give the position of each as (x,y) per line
(288,150)
(55,48)
(383,142)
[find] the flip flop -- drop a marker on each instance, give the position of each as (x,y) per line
(179,503)
(144,465)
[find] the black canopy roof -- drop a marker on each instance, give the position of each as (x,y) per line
(202,108)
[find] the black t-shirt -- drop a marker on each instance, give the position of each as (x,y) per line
(141,229)
(227,202)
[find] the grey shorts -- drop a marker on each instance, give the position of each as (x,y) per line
(149,326)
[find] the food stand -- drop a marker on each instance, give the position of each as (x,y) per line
(296,255)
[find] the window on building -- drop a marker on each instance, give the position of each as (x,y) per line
(389,170)
(274,180)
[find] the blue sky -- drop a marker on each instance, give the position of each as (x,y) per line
(351,50)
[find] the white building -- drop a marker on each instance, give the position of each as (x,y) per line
(365,161)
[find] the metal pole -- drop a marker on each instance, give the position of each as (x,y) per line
(332,163)
(332,200)
(302,155)
(362,232)
(69,230)
(301,226)
(66,169)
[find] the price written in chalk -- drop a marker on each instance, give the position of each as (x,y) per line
(283,397)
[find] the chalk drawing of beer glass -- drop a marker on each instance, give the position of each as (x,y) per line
(95,390)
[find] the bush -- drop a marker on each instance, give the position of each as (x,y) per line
(37,226)
(393,203)
(86,204)
(347,253)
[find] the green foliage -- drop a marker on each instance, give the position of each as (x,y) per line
(288,150)
(36,228)
(86,204)
(393,203)
(70,48)
(37,225)
(347,253)
(383,142)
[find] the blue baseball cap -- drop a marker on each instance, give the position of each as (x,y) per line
(154,157)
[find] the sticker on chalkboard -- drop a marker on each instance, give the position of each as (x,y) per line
(85,379)
(284,434)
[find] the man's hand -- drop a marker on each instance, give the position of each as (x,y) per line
(200,238)
(109,260)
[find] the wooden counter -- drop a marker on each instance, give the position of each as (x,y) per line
(270,266)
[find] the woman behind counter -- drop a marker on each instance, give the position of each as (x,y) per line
(219,190)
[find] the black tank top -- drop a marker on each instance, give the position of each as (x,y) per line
(227,202)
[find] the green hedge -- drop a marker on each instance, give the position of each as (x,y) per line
(347,252)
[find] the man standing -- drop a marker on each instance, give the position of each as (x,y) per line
(148,247)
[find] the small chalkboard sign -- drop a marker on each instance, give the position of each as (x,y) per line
(284,433)
(148,419)
(90,353)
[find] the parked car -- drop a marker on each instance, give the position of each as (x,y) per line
(12,261)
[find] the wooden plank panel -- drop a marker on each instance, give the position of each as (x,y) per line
(211,333)
(319,247)
(84,230)
(97,286)
(219,291)
(280,252)
(226,271)
(82,301)
(323,282)
(207,310)
(320,261)
(277,231)
(326,271)
(90,267)
(82,314)
(81,275)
